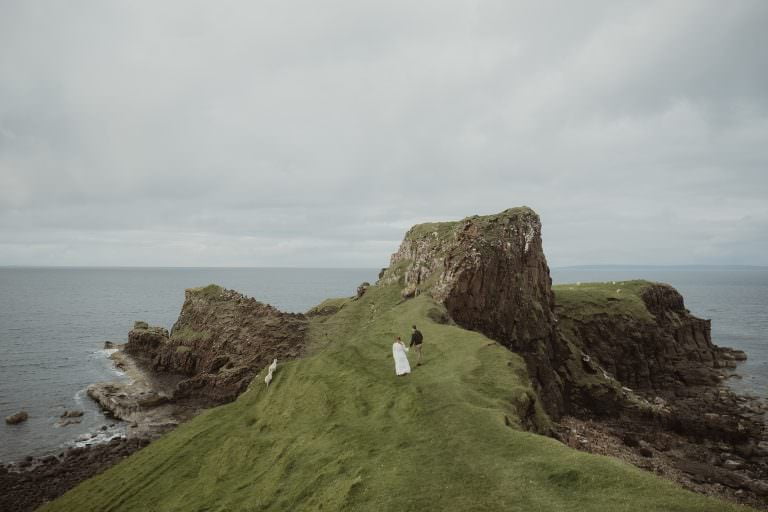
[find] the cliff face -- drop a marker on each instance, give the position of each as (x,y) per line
(640,334)
(219,343)
(658,347)
(491,274)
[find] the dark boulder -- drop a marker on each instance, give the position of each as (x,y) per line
(362,289)
(15,419)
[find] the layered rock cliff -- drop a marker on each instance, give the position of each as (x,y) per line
(628,352)
(219,342)
(491,274)
(642,334)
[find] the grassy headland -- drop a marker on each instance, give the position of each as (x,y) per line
(337,430)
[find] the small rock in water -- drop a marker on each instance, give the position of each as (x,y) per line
(108,345)
(72,414)
(17,418)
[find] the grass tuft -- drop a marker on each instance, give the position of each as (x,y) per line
(212,291)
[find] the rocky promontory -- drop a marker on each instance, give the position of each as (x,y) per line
(679,414)
(627,355)
(491,274)
(219,342)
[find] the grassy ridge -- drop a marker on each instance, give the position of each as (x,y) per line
(339,431)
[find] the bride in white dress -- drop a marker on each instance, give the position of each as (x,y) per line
(401,358)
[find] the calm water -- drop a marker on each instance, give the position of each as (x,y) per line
(53,323)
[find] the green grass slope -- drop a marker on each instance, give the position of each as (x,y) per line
(338,430)
(617,298)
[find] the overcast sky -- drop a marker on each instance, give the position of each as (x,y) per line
(282,133)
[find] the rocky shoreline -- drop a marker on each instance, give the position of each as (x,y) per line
(27,484)
(144,400)
(732,471)
(217,346)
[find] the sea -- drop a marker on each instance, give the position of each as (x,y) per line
(54,322)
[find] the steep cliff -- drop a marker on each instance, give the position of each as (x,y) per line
(219,342)
(628,354)
(491,274)
(641,333)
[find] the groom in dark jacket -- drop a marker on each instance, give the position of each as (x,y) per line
(416,339)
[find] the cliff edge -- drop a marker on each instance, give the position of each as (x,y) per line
(491,275)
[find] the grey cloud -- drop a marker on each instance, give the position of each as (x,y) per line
(306,133)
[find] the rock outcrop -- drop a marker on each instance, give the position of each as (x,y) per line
(491,274)
(640,334)
(219,342)
(15,419)
(658,347)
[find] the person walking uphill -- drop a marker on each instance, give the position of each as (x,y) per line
(401,359)
(416,339)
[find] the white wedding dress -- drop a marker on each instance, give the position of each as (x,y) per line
(401,359)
